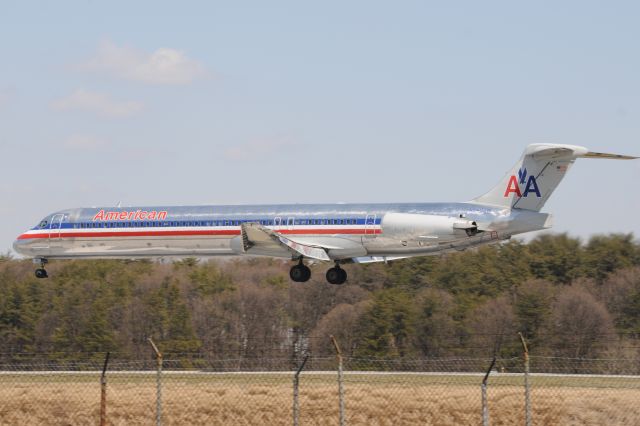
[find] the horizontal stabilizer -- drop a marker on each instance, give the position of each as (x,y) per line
(608,156)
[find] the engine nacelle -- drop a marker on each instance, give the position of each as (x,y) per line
(406,226)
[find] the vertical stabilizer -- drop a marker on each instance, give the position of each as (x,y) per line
(530,183)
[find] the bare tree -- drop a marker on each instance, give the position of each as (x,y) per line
(580,324)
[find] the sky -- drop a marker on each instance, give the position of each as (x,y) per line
(173,103)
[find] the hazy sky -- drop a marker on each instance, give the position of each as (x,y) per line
(268,102)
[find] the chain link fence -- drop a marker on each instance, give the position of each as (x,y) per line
(179,391)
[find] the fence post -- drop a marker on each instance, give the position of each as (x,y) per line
(158,383)
(103,392)
(485,402)
(296,383)
(340,385)
(527,390)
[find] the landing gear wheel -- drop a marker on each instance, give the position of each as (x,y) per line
(300,273)
(41,272)
(336,275)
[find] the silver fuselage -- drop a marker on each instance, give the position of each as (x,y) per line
(349,231)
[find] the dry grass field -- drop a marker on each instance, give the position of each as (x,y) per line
(371,399)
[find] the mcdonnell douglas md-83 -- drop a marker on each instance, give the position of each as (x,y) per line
(336,233)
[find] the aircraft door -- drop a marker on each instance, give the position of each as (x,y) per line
(370,226)
(277,223)
(290,223)
(55,228)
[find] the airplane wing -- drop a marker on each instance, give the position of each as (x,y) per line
(375,259)
(257,239)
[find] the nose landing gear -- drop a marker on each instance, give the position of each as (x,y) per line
(41,272)
(300,273)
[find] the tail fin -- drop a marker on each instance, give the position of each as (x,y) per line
(530,183)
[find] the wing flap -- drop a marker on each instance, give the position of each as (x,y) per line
(259,239)
(305,250)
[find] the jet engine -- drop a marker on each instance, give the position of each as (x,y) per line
(406,226)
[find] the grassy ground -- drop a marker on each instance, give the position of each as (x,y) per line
(250,399)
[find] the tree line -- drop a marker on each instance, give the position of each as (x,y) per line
(567,297)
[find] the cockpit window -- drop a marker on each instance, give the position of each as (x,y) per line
(43,224)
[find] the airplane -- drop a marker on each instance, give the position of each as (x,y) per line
(335,233)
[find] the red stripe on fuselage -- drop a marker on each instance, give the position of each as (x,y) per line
(193,233)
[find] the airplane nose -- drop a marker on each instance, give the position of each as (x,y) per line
(19,246)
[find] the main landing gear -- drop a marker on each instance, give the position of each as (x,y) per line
(336,275)
(301,273)
(41,272)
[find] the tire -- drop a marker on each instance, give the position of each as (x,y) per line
(336,276)
(307,273)
(300,273)
(343,276)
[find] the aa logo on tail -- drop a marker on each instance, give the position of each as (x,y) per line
(513,187)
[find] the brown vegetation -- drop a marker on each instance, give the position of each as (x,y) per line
(267,400)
